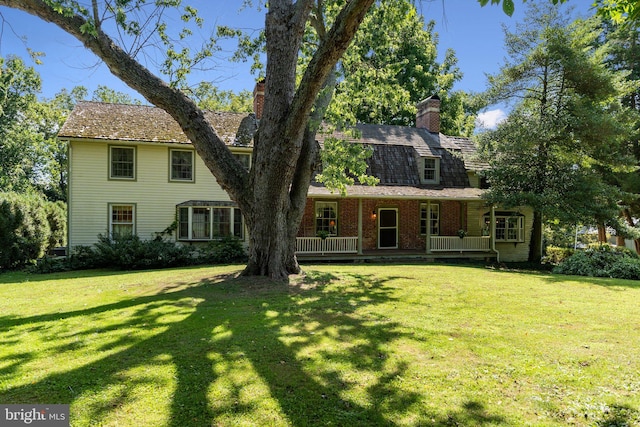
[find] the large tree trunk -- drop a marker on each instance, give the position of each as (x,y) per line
(273,195)
(602,233)
(535,246)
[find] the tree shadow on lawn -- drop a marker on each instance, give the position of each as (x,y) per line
(245,341)
(613,284)
(550,277)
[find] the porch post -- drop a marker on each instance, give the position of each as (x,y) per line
(492,235)
(359,226)
(428,235)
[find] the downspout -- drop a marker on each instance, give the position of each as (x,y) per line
(493,232)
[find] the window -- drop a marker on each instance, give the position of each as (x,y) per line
(509,226)
(201,223)
(432,218)
(209,222)
(182,165)
(122,162)
(430,173)
(327,218)
(244,159)
(121,220)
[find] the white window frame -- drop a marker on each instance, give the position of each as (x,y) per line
(319,209)
(424,161)
(132,223)
(508,228)
(432,220)
(133,166)
(171,165)
(186,223)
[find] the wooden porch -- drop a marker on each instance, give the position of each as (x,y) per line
(349,248)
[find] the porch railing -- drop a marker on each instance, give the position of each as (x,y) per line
(330,245)
(455,243)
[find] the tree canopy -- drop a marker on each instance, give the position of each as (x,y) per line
(391,66)
(568,123)
(285,154)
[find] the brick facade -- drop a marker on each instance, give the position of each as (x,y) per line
(452,218)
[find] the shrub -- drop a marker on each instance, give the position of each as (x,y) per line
(556,255)
(132,253)
(24,229)
(56,213)
(224,251)
(602,261)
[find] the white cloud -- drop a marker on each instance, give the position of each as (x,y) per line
(490,119)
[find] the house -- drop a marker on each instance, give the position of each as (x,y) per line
(132,170)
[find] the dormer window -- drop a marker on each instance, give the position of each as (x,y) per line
(429,170)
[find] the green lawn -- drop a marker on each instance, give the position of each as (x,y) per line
(348,345)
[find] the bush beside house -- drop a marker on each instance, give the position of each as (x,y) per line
(602,261)
(133,253)
(29,227)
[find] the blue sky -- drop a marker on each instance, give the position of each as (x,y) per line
(473,32)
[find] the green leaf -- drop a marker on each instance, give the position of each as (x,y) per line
(508,7)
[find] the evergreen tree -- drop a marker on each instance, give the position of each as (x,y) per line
(566,125)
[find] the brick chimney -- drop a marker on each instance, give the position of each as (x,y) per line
(428,115)
(258,98)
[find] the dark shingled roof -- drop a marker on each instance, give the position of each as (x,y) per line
(97,120)
(468,150)
(397,149)
(394,165)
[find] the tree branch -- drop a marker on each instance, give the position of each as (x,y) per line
(191,119)
(329,52)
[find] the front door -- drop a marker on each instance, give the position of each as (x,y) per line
(388,228)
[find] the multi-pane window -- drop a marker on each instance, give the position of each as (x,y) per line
(221,222)
(122,163)
(327,218)
(432,218)
(244,159)
(429,169)
(182,165)
(201,223)
(509,227)
(209,222)
(121,220)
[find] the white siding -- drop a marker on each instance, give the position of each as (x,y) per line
(155,197)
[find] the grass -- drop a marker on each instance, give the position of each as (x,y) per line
(347,345)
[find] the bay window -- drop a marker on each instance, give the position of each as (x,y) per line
(201,222)
(509,226)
